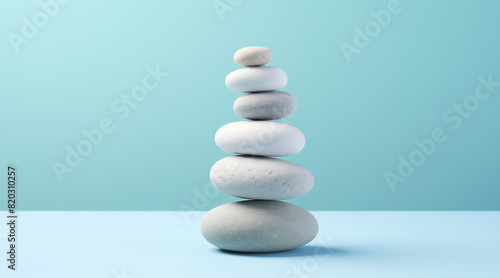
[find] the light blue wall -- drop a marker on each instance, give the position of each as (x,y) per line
(359,117)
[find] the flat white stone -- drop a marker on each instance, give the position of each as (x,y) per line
(259,226)
(258,177)
(253,56)
(256,79)
(265,106)
(267,138)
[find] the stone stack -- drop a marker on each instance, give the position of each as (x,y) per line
(263,224)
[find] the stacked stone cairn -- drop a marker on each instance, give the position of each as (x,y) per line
(264,223)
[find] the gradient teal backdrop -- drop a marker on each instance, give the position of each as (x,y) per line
(359,111)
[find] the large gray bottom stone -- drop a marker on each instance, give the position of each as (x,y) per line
(259,226)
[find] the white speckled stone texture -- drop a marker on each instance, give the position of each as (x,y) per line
(265,106)
(263,178)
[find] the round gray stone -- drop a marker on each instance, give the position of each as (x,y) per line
(257,177)
(259,226)
(256,79)
(265,106)
(266,138)
(253,56)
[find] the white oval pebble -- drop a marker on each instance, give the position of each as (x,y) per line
(253,56)
(265,106)
(259,226)
(257,79)
(263,178)
(267,138)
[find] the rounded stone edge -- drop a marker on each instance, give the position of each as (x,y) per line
(264,118)
(280,72)
(268,55)
(231,164)
(312,217)
(243,151)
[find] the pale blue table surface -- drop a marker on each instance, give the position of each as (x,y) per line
(169,244)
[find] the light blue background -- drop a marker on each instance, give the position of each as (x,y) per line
(358,117)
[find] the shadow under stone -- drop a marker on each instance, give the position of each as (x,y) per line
(303,251)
